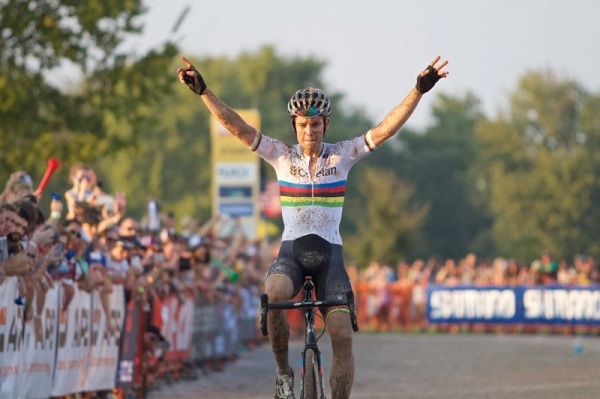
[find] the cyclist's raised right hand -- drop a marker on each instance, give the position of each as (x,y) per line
(191,77)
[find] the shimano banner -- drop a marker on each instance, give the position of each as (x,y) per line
(540,304)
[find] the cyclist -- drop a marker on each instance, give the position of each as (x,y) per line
(312,179)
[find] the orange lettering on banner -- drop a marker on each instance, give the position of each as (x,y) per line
(3,315)
(102,361)
(9,370)
(37,368)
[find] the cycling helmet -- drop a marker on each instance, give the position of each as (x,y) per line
(309,102)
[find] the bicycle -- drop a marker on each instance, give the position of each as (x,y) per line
(312,384)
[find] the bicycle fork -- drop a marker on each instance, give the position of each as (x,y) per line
(314,357)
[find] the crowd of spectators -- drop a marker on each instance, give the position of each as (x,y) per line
(87,239)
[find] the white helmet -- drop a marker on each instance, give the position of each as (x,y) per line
(309,102)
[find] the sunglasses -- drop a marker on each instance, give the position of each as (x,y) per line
(311,111)
(75,233)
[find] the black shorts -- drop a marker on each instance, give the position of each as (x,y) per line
(313,256)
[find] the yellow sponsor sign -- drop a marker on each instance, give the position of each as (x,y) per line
(236,174)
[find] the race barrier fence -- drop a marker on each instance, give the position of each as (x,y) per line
(89,347)
(80,349)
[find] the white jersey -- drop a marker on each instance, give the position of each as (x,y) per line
(312,206)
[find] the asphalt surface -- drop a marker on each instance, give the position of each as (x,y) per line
(428,366)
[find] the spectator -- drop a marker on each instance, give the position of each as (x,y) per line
(566,275)
(548,268)
(584,269)
(82,189)
(128,228)
(16,227)
(18,186)
(118,263)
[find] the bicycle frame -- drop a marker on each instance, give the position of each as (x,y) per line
(310,342)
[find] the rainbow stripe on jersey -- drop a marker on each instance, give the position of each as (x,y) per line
(329,195)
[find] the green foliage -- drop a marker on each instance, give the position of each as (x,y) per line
(539,166)
(388,225)
(438,163)
(106,112)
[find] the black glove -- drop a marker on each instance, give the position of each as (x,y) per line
(195,83)
(427,81)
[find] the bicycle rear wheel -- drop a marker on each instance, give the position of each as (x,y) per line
(311,381)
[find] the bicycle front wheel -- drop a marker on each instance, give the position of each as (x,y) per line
(312,383)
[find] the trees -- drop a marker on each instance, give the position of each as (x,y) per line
(437,162)
(104,112)
(538,168)
(387,222)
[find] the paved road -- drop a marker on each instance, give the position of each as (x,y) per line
(428,366)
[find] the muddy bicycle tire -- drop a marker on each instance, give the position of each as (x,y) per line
(311,376)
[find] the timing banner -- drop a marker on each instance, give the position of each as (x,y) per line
(537,305)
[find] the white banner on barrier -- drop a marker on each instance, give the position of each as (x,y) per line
(11,326)
(74,339)
(39,348)
(178,321)
(106,335)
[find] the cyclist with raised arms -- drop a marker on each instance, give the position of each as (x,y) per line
(312,182)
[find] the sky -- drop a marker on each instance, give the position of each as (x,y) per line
(374,49)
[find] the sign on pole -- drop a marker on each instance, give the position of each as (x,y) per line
(236,175)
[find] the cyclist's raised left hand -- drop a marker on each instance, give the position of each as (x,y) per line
(429,77)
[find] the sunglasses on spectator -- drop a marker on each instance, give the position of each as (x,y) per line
(75,233)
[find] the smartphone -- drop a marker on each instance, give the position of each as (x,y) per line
(58,249)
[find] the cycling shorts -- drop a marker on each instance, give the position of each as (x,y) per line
(313,256)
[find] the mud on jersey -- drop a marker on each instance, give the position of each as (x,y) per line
(312,205)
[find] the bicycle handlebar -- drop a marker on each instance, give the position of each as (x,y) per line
(306,304)
(265,305)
